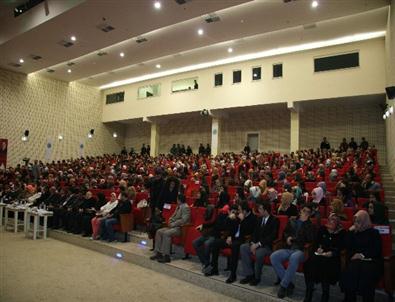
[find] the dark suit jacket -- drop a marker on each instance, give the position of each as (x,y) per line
(247,226)
(267,233)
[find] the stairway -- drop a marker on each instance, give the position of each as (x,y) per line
(389,191)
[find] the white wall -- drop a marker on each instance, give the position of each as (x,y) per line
(48,108)
(298,83)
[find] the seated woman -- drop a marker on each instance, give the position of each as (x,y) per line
(286,207)
(318,196)
(338,209)
(377,210)
(102,214)
(365,261)
(324,265)
(202,198)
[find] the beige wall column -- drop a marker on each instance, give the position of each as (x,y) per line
(294,133)
(215,129)
(390,81)
(154,143)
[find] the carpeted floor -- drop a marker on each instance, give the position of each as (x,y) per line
(55,271)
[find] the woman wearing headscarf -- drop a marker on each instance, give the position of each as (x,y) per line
(338,209)
(318,196)
(286,207)
(324,265)
(365,261)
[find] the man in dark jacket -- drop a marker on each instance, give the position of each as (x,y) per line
(297,234)
(266,231)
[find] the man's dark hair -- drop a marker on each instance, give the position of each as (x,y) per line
(244,206)
(265,205)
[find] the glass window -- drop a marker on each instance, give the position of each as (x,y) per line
(236,76)
(148,91)
(256,73)
(218,79)
(185,84)
(277,70)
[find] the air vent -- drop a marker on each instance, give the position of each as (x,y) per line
(70,63)
(50,70)
(309,26)
(212,18)
(105,27)
(35,57)
(287,1)
(66,43)
(102,53)
(181,2)
(15,65)
(141,40)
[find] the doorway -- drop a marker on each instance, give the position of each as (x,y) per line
(253,141)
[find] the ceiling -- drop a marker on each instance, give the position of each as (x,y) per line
(171,33)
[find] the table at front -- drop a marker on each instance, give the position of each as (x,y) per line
(16,211)
(36,223)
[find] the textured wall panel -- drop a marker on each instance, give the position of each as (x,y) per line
(136,135)
(47,108)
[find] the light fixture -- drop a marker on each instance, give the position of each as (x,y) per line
(73,38)
(24,138)
(200,32)
(114,135)
(21,61)
(387,113)
(121,54)
(250,56)
(230,49)
(391,110)
(384,116)
(119,255)
(157,5)
(255,75)
(90,135)
(158,66)
(60,137)
(314,4)
(69,70)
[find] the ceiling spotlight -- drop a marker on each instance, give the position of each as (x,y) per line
(200,32)
(157,5)
(314,4)
(60,137)
(114,135)
(21,61)
(122,54)
(158,66)
(230,49)
(69,70)
(73,38)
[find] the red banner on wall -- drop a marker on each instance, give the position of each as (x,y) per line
(3,153)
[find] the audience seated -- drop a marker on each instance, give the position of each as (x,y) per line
(102,213)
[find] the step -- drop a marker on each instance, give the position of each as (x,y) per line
(189,271)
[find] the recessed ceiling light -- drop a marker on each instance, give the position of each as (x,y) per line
(200,32)
(158,66)
(314,4)
(122,54)
(230,49)
(21,61)
(73,38)
(157,5)
(69,70)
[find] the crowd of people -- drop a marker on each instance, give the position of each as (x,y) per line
(268,184)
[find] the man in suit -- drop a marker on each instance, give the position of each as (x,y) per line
(266,231)
(180,217)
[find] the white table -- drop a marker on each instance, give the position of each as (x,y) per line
(2,206)
(37,229)
(16,210)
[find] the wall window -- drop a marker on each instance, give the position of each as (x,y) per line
(115,97)
(277,70)
(341,61)
(218,79)
(256,73)
(148,91)
(185,85)
(236,76)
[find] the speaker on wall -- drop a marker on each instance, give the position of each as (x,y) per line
(390,92)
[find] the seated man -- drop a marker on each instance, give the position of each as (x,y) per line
(181,216)
(266,231)
(298,232)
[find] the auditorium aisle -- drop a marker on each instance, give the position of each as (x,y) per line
(52,270)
